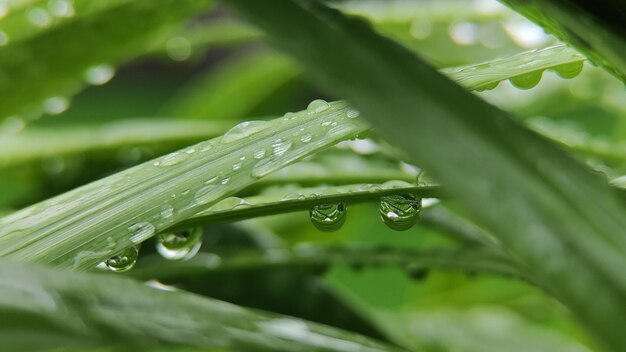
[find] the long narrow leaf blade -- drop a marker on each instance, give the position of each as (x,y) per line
(558,217)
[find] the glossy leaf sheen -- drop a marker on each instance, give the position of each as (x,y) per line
(551,212)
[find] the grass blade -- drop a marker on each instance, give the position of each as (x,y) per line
(47,309)
(554,214)
(80,228)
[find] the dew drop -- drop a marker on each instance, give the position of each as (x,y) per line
(400,212)
(225,180)
(352,114)
(258,154)
(317,106)
(141,231)
(306,138)
(173,159)
(328,217)
(98,75)
(569,70)
(56,105)
(237,166)
(123,261)
(527,81)
(244,129)
(205,194)
(167,211)
(179,245)
(178,48)
(38,17)
(61,8)
(280,146)
(211,180)
(229,203)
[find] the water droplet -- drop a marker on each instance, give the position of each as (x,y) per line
(179,245)
(225,180)
(229,203)
(306,138)
(400,212)
(39,17)
(569,70)
(237,166)
(141,231)
(211,180)
(317,105)
(259,154)
(56,105)
(61,8)
(167,211)
(280,146)
(98,75)
(488,86)
(325,123)
(352,114)
(178,48)
(417,271)
(173,159)
(206,194)
(328,217)
(527,81)
(340,130)
(123,261)
(244,129)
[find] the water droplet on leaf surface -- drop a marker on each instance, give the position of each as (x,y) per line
(318,105)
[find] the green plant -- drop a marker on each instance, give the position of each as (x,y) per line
(509,238)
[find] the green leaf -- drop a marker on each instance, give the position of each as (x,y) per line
(35,70)
(37,143)
(47,309)
(80,228)
(555,215)
(596,29)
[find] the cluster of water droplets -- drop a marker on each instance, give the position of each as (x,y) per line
(399,212)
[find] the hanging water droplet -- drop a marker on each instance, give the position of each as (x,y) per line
(141,231)
(317,105)
(173,159)
(98,75)
(123,261)
(178,48)
(569,70)
(280,146)
(488,86)
(400,212)
(179,245)
(259,154)
(352,113)
(306,138)
(328,217)
(244,129)
(527,81)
